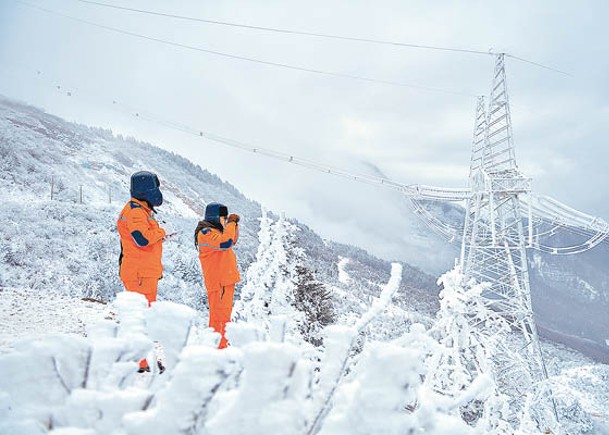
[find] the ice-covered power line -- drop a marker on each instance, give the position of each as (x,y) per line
(410,190)
(546,212)
(248,59)
(537,64)
(418,191)
(316,34)
(287,31)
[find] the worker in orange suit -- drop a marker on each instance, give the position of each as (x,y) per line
(215,238)
(142,240)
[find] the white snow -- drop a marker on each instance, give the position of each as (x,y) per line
(89,385)
(343,275)
(68,366)
(26,313)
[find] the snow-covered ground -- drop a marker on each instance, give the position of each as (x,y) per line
(209,391)
(30,314)
(374,347)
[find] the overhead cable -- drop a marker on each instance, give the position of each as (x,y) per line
(248,59)
(409,190)
(413,192)
(538,64)
(285,31)
(317,35)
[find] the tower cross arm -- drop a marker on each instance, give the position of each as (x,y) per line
(432,193)
(558,212)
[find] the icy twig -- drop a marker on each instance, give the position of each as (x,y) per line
(61,380)
(377,308)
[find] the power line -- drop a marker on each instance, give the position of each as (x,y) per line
(247,59)
(285,31)
(538,64)
(414,192)
(410,190)
(317,35)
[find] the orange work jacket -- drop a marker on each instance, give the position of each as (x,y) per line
(141,242)
(218,260)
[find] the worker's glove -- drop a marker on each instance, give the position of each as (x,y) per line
(234,217)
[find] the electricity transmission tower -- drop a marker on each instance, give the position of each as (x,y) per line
(504,218)
(493,247)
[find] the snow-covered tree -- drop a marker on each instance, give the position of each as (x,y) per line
(314,300)
(90,385)
(470,337)
(279,283)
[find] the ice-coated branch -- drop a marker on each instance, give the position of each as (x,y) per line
(182,402)
(61,380)
(201,413)
(85,378)
(340,342)
(384,299)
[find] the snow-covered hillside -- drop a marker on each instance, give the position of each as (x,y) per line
(325,339)
(66,246)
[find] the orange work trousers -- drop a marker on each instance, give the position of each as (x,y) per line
(220,308)
(147,287)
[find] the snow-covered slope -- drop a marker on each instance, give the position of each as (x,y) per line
(298,364)
(69,245)
(571,296)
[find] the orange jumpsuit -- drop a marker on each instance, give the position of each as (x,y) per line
(220,273)
(141,251)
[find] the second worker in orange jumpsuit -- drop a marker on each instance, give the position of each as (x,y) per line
(215,237)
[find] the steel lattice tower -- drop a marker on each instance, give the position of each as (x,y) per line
(493,248)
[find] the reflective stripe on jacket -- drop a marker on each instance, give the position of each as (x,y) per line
(141,242)
(218,261)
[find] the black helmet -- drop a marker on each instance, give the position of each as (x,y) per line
(145,187)
(214,210)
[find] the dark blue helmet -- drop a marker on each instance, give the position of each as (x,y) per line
(214,210)
(145,187)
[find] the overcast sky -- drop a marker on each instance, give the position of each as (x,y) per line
(561,123)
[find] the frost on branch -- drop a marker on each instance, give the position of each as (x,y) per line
(340,345)
(314,300)
(471,338)
(384,385)
(279,284)
(425,382)
(384,393)
(271,396)
(182,405)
